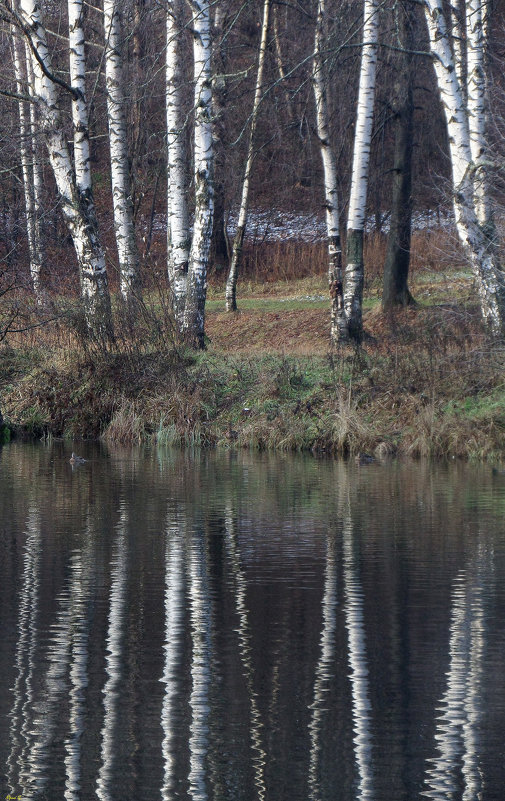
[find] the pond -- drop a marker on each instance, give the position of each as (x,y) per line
(245,627)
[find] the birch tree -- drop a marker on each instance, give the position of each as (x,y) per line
(26,148)
(238,241)
(80,218)
(477,102)
(178,229)
(194,312)
(129,269)
(354,274)
(36,162)
(338,323)
(220,68)
(77,65)
(489,279)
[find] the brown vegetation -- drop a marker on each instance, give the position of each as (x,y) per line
(425,382)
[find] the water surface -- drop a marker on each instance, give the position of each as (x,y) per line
(241,627)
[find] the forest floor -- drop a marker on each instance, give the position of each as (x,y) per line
(425,382)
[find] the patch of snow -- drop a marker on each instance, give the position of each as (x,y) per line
(273,225)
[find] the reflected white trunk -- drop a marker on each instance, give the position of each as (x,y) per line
(361,707)
(200,668)
(48,708)
(21,715)
(325,670)
(460,708)
(80,595)
(111,732)
(244,634)
(173,650)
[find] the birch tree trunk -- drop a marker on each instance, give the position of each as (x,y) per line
(80,220)
(178,230)
(36,166)
(77,61)
(397,262)
(26,152)
(236,256)
(129,269)
(458,36)
(194,312)
(476,100)
(219,248)
(354,274)
(488,277)
(338,323)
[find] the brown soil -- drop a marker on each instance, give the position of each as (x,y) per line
(306,331)
(298,332)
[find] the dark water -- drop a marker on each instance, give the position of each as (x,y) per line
(230,626)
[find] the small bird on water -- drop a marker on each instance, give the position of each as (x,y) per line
(74,459)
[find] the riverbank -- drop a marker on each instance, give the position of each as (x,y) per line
(424,383)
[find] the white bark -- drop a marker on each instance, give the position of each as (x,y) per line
(231,284)
(488,278)
(121,190)
(457,13)
(338,324)
(476,94)
(77,61)
(36,164)
(82,225)
(178,229)
(353,293)
(194,312)
(26,153)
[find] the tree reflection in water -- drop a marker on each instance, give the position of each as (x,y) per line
(215,634)
(458,762)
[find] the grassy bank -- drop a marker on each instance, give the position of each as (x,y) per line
(425,382)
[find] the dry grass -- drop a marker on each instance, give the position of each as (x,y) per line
(425,382)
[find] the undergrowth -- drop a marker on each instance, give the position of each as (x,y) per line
(425,383)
